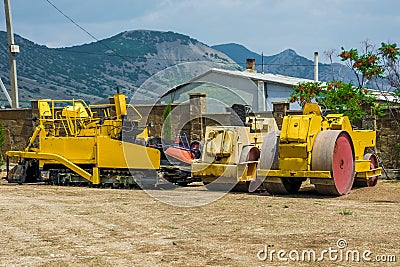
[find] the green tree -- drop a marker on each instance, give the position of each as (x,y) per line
(390,54)
(366,65)
(341,97)
(306,92)
(354,100)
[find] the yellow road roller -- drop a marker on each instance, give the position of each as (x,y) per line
(324,149)
(230,154)
(228,160)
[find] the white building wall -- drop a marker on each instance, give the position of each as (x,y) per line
(251,90)
(245,88)
(279,93)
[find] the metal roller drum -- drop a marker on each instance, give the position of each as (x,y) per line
(249,153)
(268,155)
(283,186)
(269,161)
(333,151)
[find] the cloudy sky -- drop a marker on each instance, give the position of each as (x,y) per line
(261,25)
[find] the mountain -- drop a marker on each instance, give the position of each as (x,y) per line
(287,63)
(237,52)
(93,71)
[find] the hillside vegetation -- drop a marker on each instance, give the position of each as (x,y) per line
(93,71)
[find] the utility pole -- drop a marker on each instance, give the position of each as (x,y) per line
(262,62)
(13,49)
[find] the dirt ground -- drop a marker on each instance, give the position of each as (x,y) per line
(76,226)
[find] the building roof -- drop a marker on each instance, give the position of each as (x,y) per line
(274,78)
(385,96)
(267,77)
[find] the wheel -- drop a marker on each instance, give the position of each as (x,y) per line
(373,164)
(18,174)
(269,151)
(26,171)
(183,184)
(269,160)
(241,187)
(333,151)
(283,186)
(249,153)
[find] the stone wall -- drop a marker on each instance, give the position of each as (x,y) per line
(182,121)
(18,127)
(180,115)
(388,138)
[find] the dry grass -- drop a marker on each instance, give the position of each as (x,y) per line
(68,226)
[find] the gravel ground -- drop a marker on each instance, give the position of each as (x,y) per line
(45,225)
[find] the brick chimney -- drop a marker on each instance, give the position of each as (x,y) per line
(251,65)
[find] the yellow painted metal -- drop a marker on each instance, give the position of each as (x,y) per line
(76,111)
(249,172)
(118,154)
(361,140)
(293,163)
(366,174)
(120,104)
(44,108)
(224,144)
(259,128)
(312,108)
(295,129)
(54,158)
(295,174)
(297,138)
(95,179)
(32,139)
(80,150)
(210,172)
(224,173)
(362,165)
(144,134)
(222,158)
(70,134)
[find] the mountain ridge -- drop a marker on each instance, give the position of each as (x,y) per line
(288,63)
(128,59)
(92,71)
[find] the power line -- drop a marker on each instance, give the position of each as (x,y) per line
(70,19)
(127,58)
(83,29)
